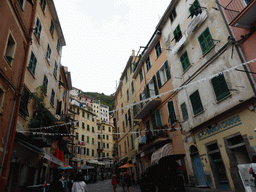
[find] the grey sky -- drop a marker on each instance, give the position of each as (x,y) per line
(100,36)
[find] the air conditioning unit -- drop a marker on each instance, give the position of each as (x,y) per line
(57,117)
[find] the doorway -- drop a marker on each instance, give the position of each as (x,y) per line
(200,178)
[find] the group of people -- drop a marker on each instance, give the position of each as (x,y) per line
(125,179)
(60,183)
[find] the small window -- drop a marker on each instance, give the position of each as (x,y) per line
(38,29)
(127,93)
(48,53)
(93,129)
(92,152)
(141,75)
(184,111)
(220,87)
(185,61)
(195,9)
(158,49)
(52,28)
(196,102)
(88,127)
(10,49)
(173,15)
(132,85)
(82,137)
(88,151)
(77,135)
(177,34)
(163,74)
(32,63)
(55,71)
(148,63)
(171,110)
(107,146)
(52,97)
(58,46)
(24,102)
(151,88)
(103,136)
(88,139)
(43,4)
(45,83)
(92,140)
(205,40)
(83,125)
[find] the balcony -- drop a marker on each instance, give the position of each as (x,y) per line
(241,13)
(143,111)
(179,44)
(196,21)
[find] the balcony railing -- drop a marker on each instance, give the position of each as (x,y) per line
(240,13)
(196,21)
(152,137)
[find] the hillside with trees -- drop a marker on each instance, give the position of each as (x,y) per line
(104,99)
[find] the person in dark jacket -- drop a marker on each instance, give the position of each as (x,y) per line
(56,184)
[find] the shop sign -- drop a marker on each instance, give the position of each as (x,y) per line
(219,127)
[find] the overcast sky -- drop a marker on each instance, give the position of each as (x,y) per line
(100,36)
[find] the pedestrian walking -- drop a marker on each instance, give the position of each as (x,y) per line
(114,180)
(56,184)
(128,180)
(79,184)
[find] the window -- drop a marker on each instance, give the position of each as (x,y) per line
(77,135)
(128,143)
(83,114)
(88,116)
(171,110)
(173,15)
(107,137)
(177,34)
(24,102)
(103,145)
(88,139)
(248,1)
(107,154)
(158,49)
(22,3)
(132,141)
(103,154)
(185,61)
(130,69)
(10,49)
(163,74)
(109,129)
(32,63)
(82,137)
(45,83)
(152,87)
(127,93)
(220,87)
(126,77)
(43,4)
(88,152)
(55,69)
(88,127)
(77,123)
(98,128)
(132,85)
(58,46)
(196,102)
(205,40)
(83,125)
(93,129)
(195,9)
(156,119)
(92,152)
(103,136)
(38,28)
(103,128)
(92,140)
(148,63)
(141,75)
(107,146)
(52,28)
(48,53)
(184,111)
(52,97)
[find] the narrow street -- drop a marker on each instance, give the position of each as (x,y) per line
(106,186)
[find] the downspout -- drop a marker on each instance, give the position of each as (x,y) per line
(238,51)
(11,136)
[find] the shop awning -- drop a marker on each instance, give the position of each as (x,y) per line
(162,152)
(53,159)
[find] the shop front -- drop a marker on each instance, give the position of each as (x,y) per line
(220,147)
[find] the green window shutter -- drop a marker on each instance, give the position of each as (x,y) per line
(147,91)
(177,33)
(32,63)
(172,115)
(148,64)
(196,102)
(148,125)
(155,86)
(141,75)
(205,40)
(132,85)
(24,102)
(220,87)
(141,104)
(185,61)
(195,8)
(153,120)
(184,111)
(158,79)
(167,70)
(158,118)
(45,83)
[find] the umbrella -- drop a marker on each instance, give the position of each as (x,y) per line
(171,158)
(65,167)
(127,165)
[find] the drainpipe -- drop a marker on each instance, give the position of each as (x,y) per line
(8,145)
(238,51)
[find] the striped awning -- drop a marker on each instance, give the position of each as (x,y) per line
(162,152)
